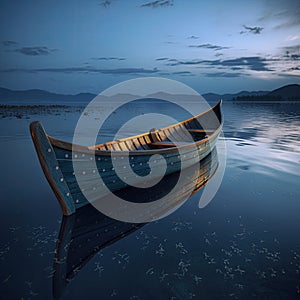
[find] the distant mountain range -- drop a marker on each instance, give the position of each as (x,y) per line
(40,96)
(289,92)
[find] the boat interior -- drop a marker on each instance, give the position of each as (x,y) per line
(171,136)
(162,138)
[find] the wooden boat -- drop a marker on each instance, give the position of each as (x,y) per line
(57,157)
(88,231)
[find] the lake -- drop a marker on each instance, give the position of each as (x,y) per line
(244,244)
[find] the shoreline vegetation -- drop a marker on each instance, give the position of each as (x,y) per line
(266,98)
(24,111)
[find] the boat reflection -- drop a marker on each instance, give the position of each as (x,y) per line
(88,231)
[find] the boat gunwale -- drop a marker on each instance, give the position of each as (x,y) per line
(91,149)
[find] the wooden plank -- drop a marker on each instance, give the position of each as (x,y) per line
(192,124)
(136,144)
(162,135)
(143,143)
(115,147)
(146,138)
(153,136)
(173,135)
(201,130)
(182,131)
(130,145)
(50,167)
(168,144)
(123,146)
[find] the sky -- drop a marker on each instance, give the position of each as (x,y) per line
(87,46)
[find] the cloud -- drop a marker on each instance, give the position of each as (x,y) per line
(291,38)
(105,3)
(193,37)
(254,30)
(293,49)
(225,74)
(8,43)
(158,3)
(209,46)
(183,73)
(175,62)
(71,70)
(294,69)
(35,51)
(291,52)
(108,58)
(295,57)
(254,63)
(161,58)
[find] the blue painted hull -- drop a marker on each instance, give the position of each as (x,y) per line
(64,163)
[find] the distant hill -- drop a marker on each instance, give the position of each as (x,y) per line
(289,92)
(286,93)
(228,97)
(40,96)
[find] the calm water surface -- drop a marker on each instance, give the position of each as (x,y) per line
(245,244)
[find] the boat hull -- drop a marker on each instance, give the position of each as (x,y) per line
(74,171)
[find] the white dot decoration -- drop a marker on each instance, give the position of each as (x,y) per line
(83,172)
(77,201)
(83,155)
(124,167)
(66,155)
(68,194)
(103,170)
(99,158)
(49,150)
(61,180)
(57,167)
(75,155)
(141,164)
(132,165)
(94,171)
(112,169)
(91,158)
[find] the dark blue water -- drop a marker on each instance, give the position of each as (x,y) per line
(245,244)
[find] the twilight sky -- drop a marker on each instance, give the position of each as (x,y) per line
(86,46)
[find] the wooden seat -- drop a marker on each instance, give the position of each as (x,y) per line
(201,130)
(168,144)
